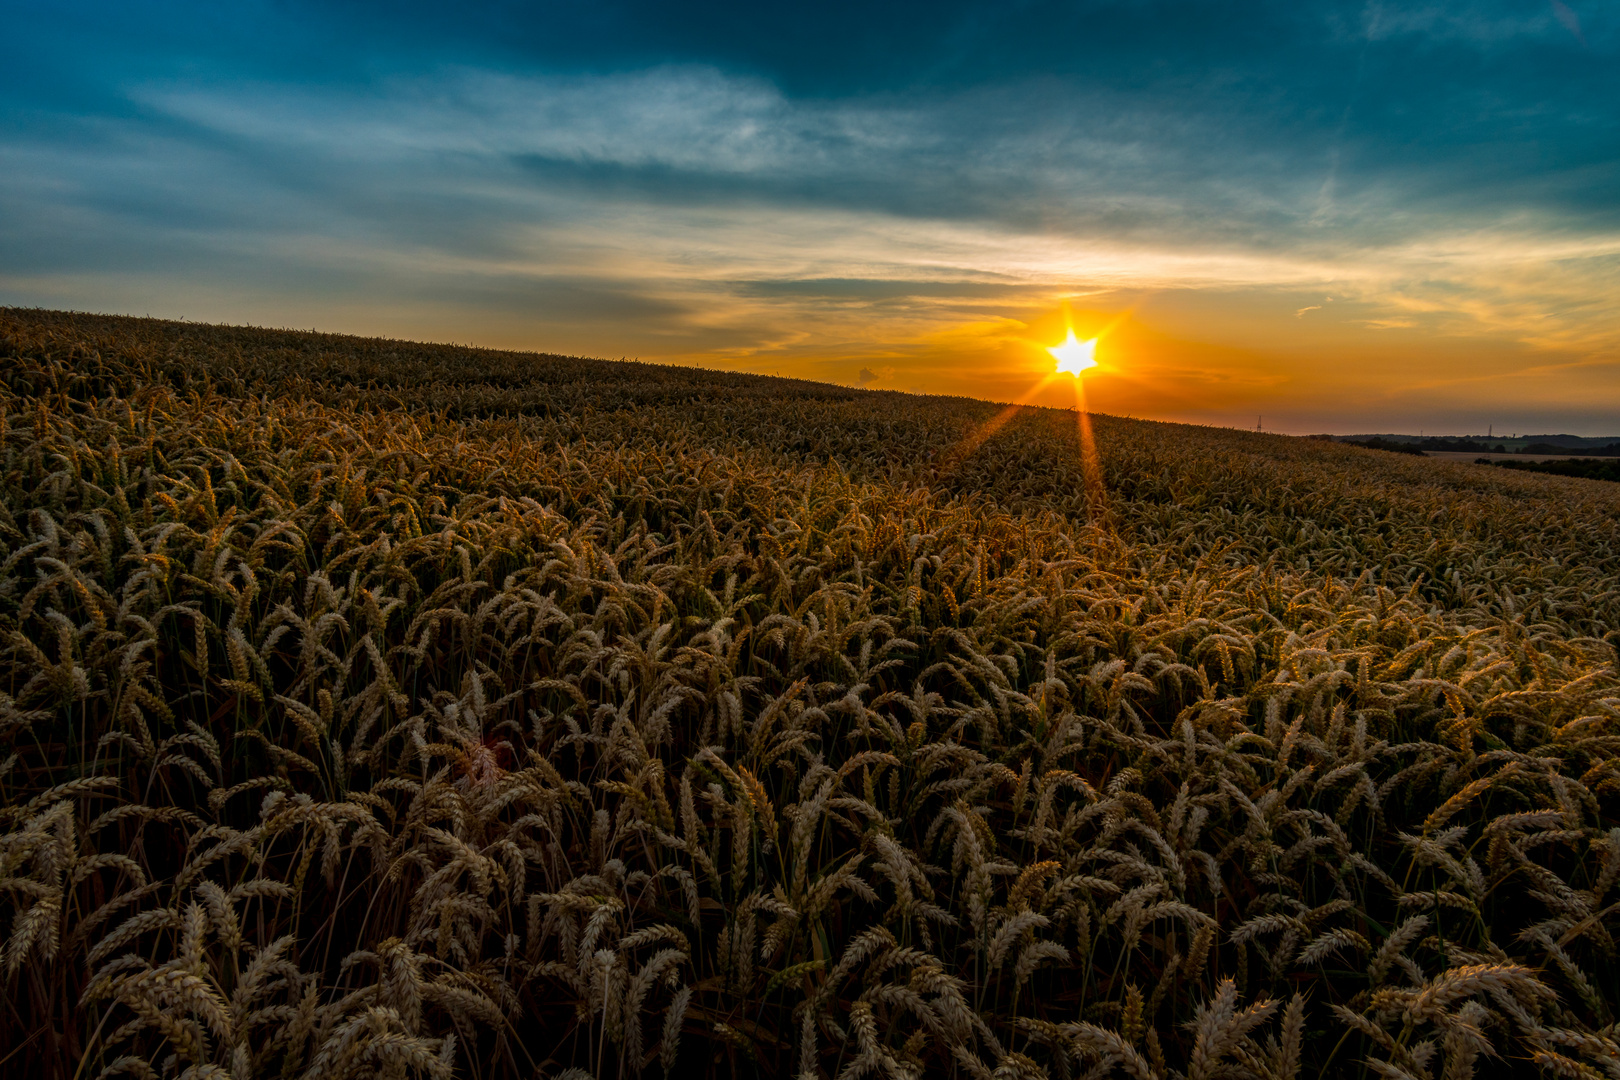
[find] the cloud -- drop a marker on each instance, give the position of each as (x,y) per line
(1570,20)
(692,181)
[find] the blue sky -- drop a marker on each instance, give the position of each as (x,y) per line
(1343,216)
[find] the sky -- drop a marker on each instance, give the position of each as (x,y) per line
(1315,216)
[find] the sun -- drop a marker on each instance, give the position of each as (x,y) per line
(1074,355)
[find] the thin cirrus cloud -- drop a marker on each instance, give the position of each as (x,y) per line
(1446,174)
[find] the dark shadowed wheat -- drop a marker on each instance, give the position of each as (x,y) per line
(372,709)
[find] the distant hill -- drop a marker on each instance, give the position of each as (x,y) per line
(1530,444)
(1588,469)
(1612,450)
(1569,441)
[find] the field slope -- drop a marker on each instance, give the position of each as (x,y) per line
(380,709)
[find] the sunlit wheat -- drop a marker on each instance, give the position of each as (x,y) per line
(372,709)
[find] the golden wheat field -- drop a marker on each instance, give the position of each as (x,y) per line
(377,709)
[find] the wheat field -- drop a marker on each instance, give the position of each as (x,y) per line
(371,709)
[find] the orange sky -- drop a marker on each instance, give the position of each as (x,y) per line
(1224,356)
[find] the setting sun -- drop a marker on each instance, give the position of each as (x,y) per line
(1074,355)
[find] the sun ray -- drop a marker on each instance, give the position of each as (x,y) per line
(1076,357)
(1073,357)
(1090,462)
(976,438)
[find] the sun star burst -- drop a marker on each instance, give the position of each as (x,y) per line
(1074,355)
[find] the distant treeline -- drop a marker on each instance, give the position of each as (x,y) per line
(1385,444)
(1612,450)
(1462,446)
(1421,446)
(1591,470)
(1562,445)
